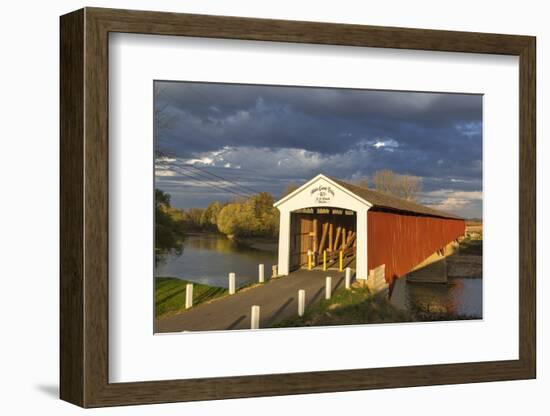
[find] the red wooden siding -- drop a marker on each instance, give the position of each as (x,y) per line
(402,241)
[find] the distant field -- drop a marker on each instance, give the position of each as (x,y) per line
(474,226)
(474,230)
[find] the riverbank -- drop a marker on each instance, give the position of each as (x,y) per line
(170,295)
(358,306)
(353,306)
(468,261)
(258,243)
(208,258)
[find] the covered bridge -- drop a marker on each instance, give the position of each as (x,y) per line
(327,221)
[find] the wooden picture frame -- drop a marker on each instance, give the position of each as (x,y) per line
(84,207)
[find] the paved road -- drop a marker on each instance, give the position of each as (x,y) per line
(278,300)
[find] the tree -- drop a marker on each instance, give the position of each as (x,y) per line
(164,121)
(403,186)
(384,181)
(209,218)
(363,182)
(266,217)
(410,187)
(161,198)
(232,220)
(193,218)
(253,217)
(169,225)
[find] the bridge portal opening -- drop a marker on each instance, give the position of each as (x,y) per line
(320,236)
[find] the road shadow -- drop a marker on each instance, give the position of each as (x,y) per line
(279,311)
(315,296)
(338,284)
(236,322)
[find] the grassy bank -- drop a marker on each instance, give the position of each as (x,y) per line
(359,306)
(170,295)
(348,307)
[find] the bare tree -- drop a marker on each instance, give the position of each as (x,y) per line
(410,187)
(403,186)
(385,180)
(363,182)
(163,120)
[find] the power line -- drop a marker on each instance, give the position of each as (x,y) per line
(200,173)
(199,179)
(212,185)
(239,188)
(226,180)
(192,175)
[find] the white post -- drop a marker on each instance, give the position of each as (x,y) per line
(328,287)
(301,302)
(348,277)
(255,317)
(274,270)
(231,283)
(261,278)
(362,257)
(188,295)
(284,242)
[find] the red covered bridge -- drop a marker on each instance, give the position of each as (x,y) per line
(328,223)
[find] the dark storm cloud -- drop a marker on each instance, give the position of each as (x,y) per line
(293,133)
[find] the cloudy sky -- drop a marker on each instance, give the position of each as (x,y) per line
(221,141)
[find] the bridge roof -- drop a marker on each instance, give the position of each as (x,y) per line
(392,203)
(373,199)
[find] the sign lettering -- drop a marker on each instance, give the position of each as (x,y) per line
(322,194)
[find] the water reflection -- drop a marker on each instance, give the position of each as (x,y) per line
(208,258)
(459,296)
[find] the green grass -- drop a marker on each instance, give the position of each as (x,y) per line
(170,295)
(358,306)
(348,307)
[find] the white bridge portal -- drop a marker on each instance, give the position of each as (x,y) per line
(321,198)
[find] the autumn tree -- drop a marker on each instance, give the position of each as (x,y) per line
(253,217)
(230,220)
(266,216)
(209,217)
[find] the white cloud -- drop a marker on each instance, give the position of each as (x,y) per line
(283,162)
(465,202)
(387,144)
(164,172)
(469,129)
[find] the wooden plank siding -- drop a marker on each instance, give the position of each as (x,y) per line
(402,241)
(305,230)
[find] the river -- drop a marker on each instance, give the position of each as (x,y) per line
(459,296)
(209,258)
